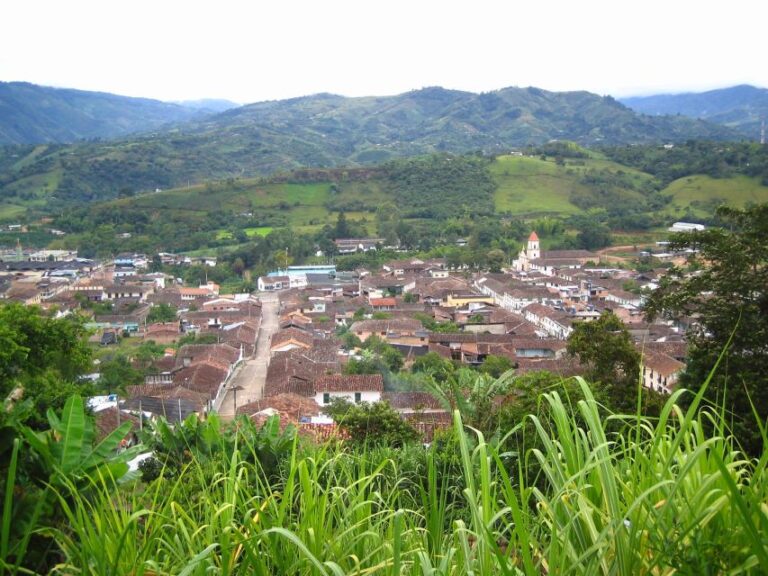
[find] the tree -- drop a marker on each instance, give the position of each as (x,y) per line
(595,236)
(604,347)
(433,364)
(725,289)
(350,340)
(377,357)
(156,265)
(392,358)
(238,266)
(387,219)
(375,423)
(495,365)
(118,373)
(342,226)
(161,313)
(41,359)
(359,314)
(495,260)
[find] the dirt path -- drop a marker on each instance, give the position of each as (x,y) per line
(607,253)
(251,375)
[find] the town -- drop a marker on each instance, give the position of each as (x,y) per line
(288,348)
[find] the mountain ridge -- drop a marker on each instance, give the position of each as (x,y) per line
(33,114)
(327,130)
(741,107)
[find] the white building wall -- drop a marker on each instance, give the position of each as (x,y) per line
(656,381)
(368,396)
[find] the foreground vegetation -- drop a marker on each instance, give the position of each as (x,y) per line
(599,494)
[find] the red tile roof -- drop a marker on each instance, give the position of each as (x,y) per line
(407,325)
(222,353)
(287,335)
(292,406)
(349,383)
(661,363)
(204,377)
(108,420)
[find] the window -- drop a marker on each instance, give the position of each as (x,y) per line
(358,397)
(326,397)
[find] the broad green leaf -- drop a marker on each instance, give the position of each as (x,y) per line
(73,432)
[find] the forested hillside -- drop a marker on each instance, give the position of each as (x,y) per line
(715,159)
(326,131)
(31,114)
(577,197)
(739,107)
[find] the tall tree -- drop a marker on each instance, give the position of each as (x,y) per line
(342,226)
(605,348)
(723,295)
(375,423)
(40,360)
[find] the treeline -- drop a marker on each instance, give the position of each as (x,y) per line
(715,159)
(441,186)
(630,202)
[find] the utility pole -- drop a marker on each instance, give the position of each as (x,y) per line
(762,132)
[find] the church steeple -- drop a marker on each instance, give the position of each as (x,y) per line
(533,252)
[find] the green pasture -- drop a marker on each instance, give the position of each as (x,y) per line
(703,193)
(531,186)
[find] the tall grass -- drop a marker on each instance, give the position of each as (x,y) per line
(673,495)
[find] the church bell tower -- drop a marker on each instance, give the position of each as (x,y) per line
(533,252)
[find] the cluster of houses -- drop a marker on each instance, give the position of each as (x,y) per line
(524,314)
(119,296)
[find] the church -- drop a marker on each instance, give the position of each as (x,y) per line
(531,258)
(531,252)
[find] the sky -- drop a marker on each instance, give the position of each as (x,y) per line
(255,50)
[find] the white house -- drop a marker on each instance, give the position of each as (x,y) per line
(686,227)
(660,371)
(354,387)
(282,282)
(553,322)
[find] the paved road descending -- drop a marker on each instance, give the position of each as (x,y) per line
(252,374)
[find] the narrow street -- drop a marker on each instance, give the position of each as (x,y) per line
(251,375)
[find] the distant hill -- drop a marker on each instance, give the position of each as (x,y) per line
(436,119)
(208,104)
(326,130)
(547,191)
(739,107)
(31,114)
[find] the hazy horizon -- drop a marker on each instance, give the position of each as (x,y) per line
(213,98)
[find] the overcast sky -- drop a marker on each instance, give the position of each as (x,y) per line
(255,50)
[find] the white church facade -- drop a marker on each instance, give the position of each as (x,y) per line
(531,252)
